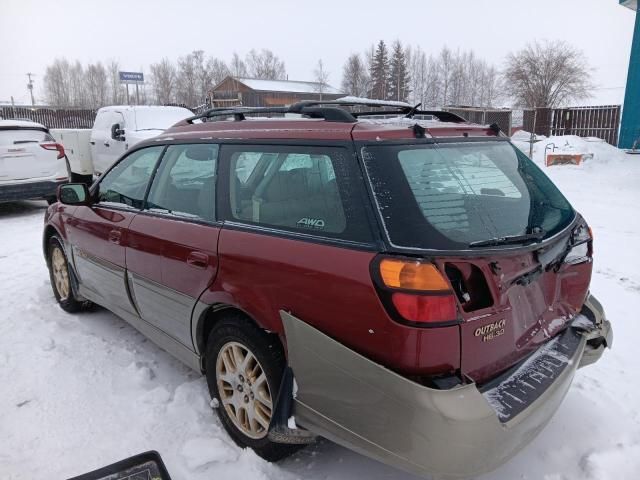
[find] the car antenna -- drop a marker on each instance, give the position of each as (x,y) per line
(495,128)
(419,131)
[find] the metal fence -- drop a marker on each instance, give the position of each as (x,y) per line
(598,121)
(52,117)
(485,116)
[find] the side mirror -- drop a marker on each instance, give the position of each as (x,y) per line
(74,194)
(117,133)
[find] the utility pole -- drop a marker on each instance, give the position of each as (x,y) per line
(30,87)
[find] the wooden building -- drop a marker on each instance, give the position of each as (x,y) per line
(251,92)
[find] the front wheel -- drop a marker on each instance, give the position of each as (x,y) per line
(60,276)
(244,367)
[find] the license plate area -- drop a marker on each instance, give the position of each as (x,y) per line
(513,391)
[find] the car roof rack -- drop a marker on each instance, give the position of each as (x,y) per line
(330,111)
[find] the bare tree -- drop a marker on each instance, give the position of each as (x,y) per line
(56,83)
(189,78)
(265,65)
(355,80)
(547,74)
(96,85)
(116,90)
(446,67)
(321,77)
(237,67)
(216,69)
(163,81)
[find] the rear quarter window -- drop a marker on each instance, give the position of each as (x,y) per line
(300,189)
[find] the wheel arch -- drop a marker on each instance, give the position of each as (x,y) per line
(49,231)
(210,315)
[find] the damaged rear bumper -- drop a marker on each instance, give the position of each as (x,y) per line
(456,433)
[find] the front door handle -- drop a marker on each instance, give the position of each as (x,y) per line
(198,260)
(114,236)
(106,144)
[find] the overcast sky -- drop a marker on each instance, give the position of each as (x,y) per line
(140,32)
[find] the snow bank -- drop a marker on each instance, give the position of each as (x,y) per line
(601,151)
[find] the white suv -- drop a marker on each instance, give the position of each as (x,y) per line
(32,163)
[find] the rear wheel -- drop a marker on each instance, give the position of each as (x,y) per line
(60,277)
(244,368)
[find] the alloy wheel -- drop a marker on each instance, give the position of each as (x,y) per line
(60,273)
(243,389)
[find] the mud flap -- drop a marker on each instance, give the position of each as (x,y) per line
(279,429)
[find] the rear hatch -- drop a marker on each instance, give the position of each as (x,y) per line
(22,155)
(497,230)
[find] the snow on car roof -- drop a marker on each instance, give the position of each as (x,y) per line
(287,86)
(21,124)
(371,101)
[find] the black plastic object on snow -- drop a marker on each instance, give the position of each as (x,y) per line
(144,466)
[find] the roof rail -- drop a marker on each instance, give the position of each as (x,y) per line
(330,111)
(328,114)
(396,109)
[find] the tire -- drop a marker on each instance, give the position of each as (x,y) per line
(51,200)
(59,275)
(236,333)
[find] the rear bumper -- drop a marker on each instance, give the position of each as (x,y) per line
(452,433)
(11,192)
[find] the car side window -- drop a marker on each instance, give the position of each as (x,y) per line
(295,188)
(126,183)
(184,184)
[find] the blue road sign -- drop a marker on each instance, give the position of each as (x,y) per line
(132,77)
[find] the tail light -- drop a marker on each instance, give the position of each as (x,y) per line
(415,292)
(54,146)
(581,250)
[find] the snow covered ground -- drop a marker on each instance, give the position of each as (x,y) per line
(80,391)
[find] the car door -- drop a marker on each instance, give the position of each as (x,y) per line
(116,148)
(105,150)
(97,233)
(172,245)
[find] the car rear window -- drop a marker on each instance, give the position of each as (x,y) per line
(23,135)
(449,196)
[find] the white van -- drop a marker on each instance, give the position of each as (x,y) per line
(118,128)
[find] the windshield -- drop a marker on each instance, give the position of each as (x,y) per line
(23,135)
(159,118)
(460,195)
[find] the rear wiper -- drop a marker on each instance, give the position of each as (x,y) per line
(508,240)
(16,142)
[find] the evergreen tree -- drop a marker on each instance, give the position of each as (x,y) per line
(399,86)
(380,72)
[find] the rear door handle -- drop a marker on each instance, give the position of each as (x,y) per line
(198,259)
(106,144)
(92,142)
(114,236)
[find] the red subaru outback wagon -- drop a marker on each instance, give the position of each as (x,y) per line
(402,282)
